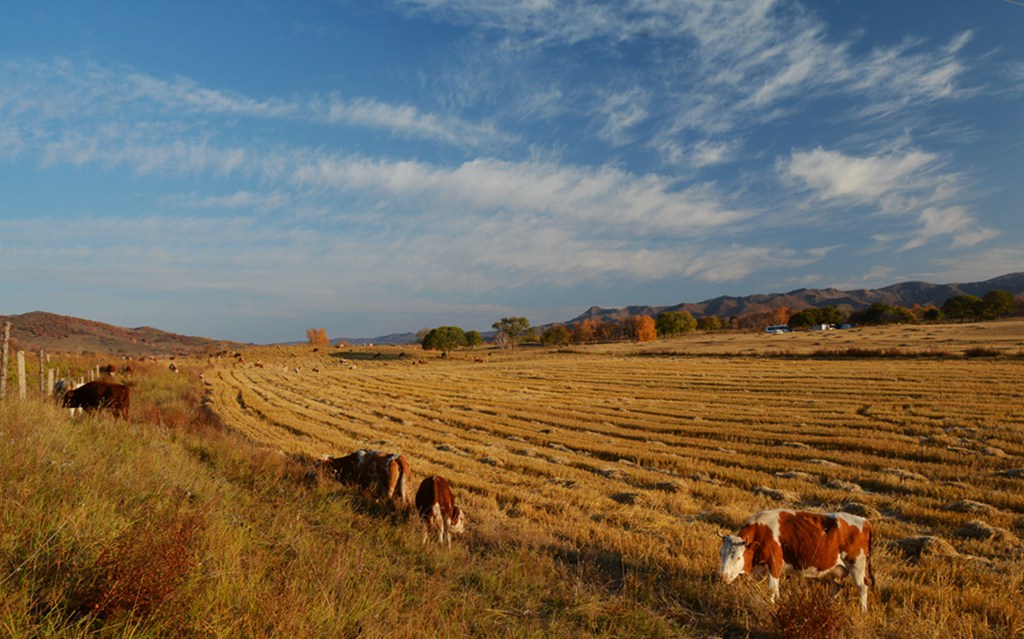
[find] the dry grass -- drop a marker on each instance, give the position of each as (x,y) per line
(626,466)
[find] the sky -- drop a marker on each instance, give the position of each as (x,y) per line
(248,169)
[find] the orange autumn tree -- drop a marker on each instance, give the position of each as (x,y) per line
(641,328)
(317,336)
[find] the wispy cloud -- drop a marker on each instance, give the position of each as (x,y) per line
(910,184)
(82,92)
(879,179)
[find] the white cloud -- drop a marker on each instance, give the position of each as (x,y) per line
(905,184)
(954,221)
(569,195)
(832,175)
(408,121)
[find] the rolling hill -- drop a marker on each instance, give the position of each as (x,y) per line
(61,333)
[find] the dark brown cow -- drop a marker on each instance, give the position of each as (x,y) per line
(437,509)
(97,395)
(814,544)
(343,469)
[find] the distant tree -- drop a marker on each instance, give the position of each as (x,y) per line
(645,330)
(803,318)
(996,304)
(556,335)
(474,339)
(709,323)
(882,313)
(815,317)
(444,339)
(933,314)
(511,330)
(640,328)
(584,331)
(674,323)
(609,331)
(757,321)
(963,307)
(317,337)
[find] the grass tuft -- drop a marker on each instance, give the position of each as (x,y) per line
(807,611)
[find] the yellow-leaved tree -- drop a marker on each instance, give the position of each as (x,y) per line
(317,337)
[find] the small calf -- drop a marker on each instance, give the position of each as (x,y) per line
(438,511)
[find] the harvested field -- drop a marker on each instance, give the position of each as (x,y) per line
(631,459)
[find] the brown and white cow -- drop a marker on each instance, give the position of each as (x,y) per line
(388,475)
(437,509)
(814,544)
(96,395)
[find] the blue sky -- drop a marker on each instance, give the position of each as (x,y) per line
(247,170)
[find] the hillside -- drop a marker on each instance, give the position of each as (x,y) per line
(61,333)
(905,294)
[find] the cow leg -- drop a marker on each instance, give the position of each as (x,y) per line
(859,574)
(775,564)
(446,524)
(773,587)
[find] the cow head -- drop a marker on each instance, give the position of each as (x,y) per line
(458,520)
(734,554)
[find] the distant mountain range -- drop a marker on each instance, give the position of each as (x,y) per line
(906,294)
(61,333)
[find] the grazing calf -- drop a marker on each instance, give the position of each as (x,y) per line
(814,544)
(438,511)
(97,395)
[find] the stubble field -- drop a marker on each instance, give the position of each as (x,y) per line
(628,460)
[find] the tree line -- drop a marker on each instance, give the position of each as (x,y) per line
(513,331)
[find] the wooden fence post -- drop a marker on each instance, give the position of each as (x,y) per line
(22,386)
(42,372)
(3,360)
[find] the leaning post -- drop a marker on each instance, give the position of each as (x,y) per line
(42,372)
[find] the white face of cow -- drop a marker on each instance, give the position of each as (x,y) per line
(458,521)
(733,563)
